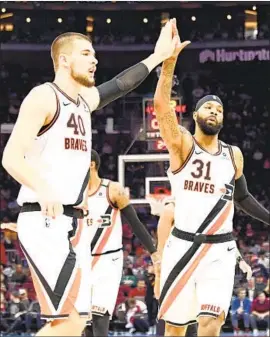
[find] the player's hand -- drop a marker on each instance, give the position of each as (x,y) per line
(178,45)
(156,259)
(50,207)
(168,43)
(10,226)
(245,269)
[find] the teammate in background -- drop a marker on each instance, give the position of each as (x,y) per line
(107,201)
(198,262)
(165,210)
(48,153)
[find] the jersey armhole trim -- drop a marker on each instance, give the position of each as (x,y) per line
(186,161)
(47,127)
(233,160)
(95,192)
(84,101)
(108,197)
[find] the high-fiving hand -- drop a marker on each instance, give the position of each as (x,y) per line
(179,46)
(169,44)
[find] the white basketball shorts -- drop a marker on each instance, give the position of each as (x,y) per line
(58,254)
(106,278)
(201,286)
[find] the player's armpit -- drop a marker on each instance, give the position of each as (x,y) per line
(91,97)
(239,161)
(118,195)
(37,109)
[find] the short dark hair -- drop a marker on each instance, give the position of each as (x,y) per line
(95,158)
(240,290)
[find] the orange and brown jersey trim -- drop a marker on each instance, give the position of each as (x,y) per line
(48,297)
(66,95)
(186,161)
(108,196)
(47,127)
(83,188)
(172,289)
(212,154)
(103,234)
(95,192)
(99,231)
(84,101)
(233,160)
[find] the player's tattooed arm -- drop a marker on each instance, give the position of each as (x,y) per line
(177,139)
(166,116)
(239,161)
(118,195)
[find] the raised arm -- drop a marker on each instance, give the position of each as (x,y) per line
(119,198)
(177,139)
(242,197)
(132,77)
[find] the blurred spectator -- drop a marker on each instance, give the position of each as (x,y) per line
(136,316)
(139,291)
(8,240)
(260,284)
(128,278)
(33,317)
(24,300)
(3,258)
(15,310)
(260,313)
(127,233)
(19,276)
(258,269)
(240,310)
(263,259)
(249,232)
(267,289)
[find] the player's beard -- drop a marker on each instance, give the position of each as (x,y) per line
(207,129)
(82,79)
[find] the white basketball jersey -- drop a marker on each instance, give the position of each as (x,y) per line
(105,221)
(62,151)
(203,189)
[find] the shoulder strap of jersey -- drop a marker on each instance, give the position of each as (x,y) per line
(53,88)
(230,153)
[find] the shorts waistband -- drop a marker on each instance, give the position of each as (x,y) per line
(69,210)
(109,252)
(200,238)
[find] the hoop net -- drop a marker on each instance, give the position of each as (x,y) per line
(156,202)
